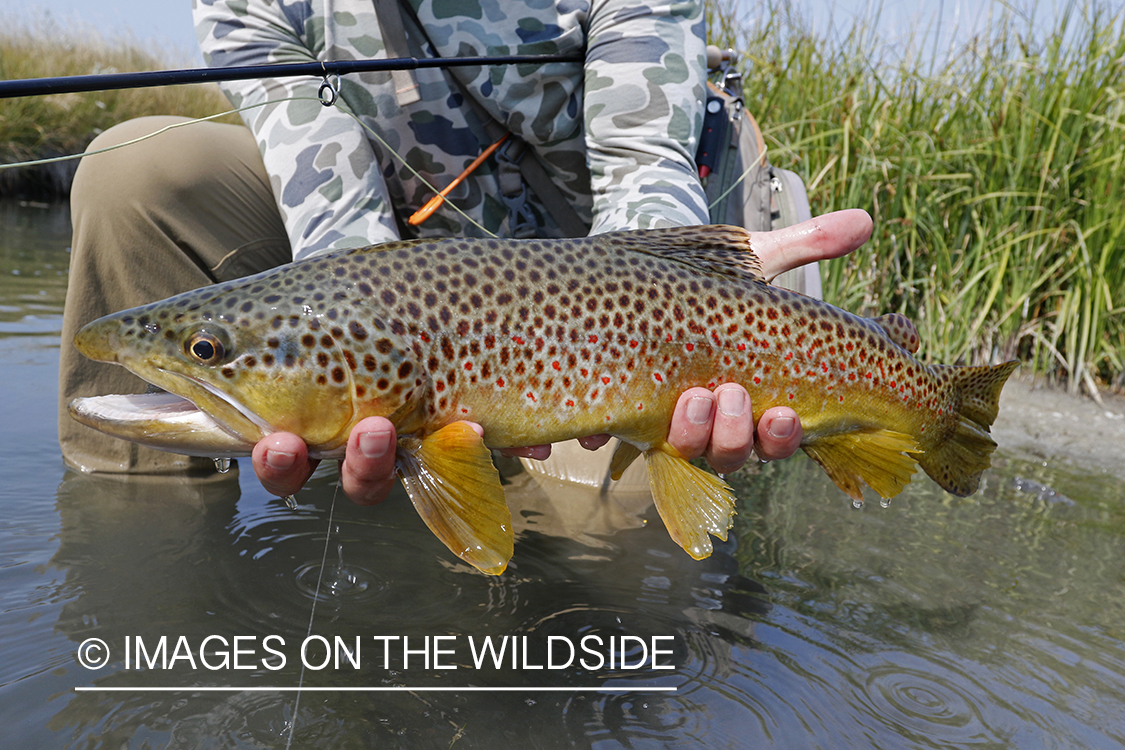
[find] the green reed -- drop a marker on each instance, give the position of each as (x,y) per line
(993,172)
(41,126)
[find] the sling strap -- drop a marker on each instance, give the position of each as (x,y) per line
(519,166)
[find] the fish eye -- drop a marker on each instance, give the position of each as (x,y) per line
(205,348)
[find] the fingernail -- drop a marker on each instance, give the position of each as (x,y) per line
(280,460)
(699,410)
(782,427)
(374,444)
(732,402)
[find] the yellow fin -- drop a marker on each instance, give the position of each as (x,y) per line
(883,459)
(900,330)
(957,463)
(456,489)
(623,456)
(692,502)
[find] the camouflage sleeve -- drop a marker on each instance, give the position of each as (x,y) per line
(644,94)
(322,168)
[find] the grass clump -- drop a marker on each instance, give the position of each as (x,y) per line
(46,126)
(993,171)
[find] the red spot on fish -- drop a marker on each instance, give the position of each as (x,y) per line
(790,396)
(500,382)
(464,410)
(742,347)
(789,355)
(585,372)
(593,338)
(659,378)
(634,344)
(689,347)
(668,337)
(757,380)
(556,365)
(518,340)
(569,402)
(468,365)
(605,379)
(640,407)
(531,395)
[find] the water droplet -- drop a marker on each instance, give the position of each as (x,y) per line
(721,476)
(339,581)
(884,502)
(222,465)
(290,502)
(857,504)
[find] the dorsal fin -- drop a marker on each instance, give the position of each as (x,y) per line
(385,246)
(715,248)
(900,330)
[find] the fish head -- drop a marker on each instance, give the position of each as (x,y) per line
(251,361)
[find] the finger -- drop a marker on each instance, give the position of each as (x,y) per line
(593,442)
(368,470)
(732,436)
(690,431)
(282,463)
(779,433)
(821,238)
(538,452)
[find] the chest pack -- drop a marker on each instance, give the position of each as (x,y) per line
(742,187)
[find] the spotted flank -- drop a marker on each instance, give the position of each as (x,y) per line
(540,341)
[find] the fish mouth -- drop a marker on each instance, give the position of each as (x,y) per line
(191,417)
(160,420)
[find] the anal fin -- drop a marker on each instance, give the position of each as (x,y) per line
(692,502)
(883,459)
(456,489)
(624,455)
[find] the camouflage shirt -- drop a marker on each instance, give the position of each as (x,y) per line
(616,133)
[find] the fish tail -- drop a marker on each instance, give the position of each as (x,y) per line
(956,464)
(692,502)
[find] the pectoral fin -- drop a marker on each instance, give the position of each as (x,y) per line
(883,459)
(456,489)
(692,502)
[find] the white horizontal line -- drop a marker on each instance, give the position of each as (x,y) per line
(211,689)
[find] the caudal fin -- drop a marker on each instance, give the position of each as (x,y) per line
(957,463)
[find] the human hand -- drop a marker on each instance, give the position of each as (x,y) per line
(367,473)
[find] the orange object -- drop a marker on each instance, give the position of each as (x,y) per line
(424,212)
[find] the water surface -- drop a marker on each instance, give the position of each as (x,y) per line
(990,621)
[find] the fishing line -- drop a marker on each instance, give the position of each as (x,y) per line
(312,611)
(333,101)
(741,178)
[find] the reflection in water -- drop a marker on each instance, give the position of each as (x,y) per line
(993,621)
(145,559)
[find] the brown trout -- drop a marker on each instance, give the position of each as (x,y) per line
(539,341)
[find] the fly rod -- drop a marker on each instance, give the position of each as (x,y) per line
(111,81)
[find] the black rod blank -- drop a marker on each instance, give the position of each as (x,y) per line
(112,81)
